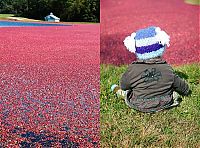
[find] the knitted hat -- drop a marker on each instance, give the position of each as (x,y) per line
(147,43)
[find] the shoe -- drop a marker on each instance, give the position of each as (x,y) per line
(115,88)
(177,102)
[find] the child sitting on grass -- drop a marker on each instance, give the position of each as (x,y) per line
(150,84)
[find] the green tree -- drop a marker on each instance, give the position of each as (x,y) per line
(67,10)
(6,6)
(91,10)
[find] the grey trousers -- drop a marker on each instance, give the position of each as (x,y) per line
(122,93)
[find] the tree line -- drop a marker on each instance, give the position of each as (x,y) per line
(67,10)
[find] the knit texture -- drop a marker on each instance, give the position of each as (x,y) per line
(147,43)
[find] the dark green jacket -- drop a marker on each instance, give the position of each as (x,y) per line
(151,84)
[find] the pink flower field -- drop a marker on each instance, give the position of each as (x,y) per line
(120,18)
(49,86)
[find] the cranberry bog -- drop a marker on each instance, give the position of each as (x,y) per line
(120,18)
(122,126)
(49,86)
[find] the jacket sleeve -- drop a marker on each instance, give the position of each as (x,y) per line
(180,86)
(125,81)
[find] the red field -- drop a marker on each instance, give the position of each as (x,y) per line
(120,18)
(49,86)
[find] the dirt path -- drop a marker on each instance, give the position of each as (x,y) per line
(49,86)
(120,18)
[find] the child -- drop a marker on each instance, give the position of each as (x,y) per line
(149,84)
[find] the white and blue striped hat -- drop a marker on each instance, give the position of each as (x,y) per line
(147,43)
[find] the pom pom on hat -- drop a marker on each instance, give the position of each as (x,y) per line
(162,37)
(129,42)
(147,43)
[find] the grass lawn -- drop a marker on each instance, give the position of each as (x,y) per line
(125,127)
(194,2)
(13,17)
(5,16)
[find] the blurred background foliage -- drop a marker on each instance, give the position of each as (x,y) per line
(67,10)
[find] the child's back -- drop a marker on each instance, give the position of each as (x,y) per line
(150,82)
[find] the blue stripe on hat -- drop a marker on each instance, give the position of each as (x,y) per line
(150,55)
(147,49)
(145,33)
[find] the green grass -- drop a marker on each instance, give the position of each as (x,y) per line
(14,17)
(5,16)
(193,2)
(123,127)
